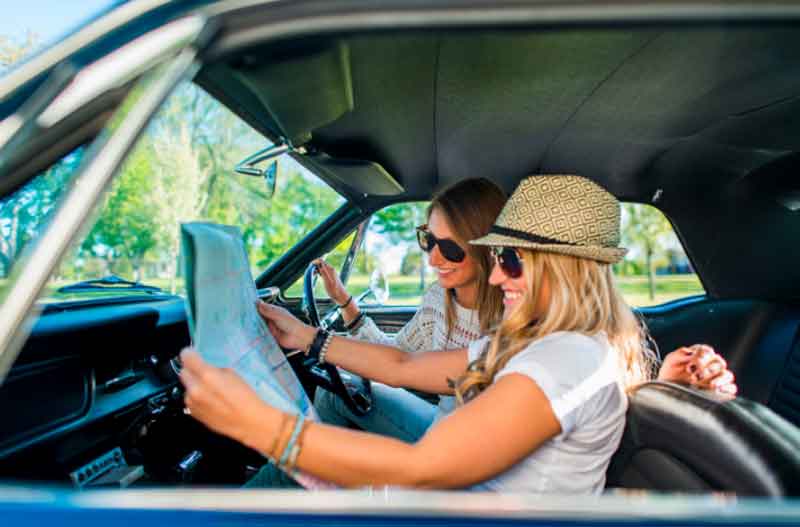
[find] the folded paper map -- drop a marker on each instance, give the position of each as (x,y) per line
(226,328)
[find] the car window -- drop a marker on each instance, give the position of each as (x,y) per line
(656,269)
(390,248)
(181,169)
(25,214)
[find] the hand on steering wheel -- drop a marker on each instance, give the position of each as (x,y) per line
(330,279)
(356,393)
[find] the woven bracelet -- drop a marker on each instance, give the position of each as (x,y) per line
(287,450)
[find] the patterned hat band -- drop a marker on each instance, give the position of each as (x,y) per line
(563,214)
(527,236)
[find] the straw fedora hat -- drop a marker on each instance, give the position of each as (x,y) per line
(560,214)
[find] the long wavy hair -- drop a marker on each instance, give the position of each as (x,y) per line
(470,208)
(584,299)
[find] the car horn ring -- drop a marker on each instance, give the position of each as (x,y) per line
(357,392)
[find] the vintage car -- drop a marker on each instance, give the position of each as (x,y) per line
(299,122)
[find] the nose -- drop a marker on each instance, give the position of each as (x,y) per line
(435,258)
(498,276)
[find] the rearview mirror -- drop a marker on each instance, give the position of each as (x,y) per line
(270,177)
(247,166)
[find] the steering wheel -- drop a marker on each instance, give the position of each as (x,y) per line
(354,391)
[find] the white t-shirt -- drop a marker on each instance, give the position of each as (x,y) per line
(579,375)
(427,331)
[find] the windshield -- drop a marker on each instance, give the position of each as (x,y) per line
(180,170)
(29,27)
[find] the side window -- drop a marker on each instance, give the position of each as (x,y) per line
(656,269)
(390,246)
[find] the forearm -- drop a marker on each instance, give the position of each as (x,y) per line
(338,455)
(425,371)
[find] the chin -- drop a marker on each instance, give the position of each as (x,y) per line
(447,282)
(508,309)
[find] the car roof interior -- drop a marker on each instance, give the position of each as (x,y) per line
(700,121)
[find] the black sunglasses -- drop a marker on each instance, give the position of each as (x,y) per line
(509,261)
(450,250)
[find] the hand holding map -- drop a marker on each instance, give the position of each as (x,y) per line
(225,326)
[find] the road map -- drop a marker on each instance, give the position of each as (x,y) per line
(226,328)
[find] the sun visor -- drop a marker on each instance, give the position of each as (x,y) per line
(352,176)
(302,91)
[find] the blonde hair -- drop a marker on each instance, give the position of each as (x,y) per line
(583,298)
(470,208)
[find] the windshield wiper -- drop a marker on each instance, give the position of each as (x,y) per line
(111,282)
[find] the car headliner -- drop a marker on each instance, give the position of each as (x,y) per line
(702,122)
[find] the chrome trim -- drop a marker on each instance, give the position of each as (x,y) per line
(71,44)
(17,313)
(247,166)
(436,507)
(64,91)
(351,253)
(493,14)
(22,123)
(269,294)
(120,67)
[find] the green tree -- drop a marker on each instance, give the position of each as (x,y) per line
(126,228)
(24,215)
(645,228)
(411,263)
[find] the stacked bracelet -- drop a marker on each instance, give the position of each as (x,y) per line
(271,452)
(292,462)
(325,345)
(342,306)
(287,450)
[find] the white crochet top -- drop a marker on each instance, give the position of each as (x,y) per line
(427,331)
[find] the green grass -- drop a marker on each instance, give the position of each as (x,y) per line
(404,290)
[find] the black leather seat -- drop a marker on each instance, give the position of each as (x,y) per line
(679,439)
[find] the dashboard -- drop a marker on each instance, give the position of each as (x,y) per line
(86,382)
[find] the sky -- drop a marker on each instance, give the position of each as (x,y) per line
(49,19)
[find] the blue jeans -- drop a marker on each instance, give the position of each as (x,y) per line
(271,477)
(395,412)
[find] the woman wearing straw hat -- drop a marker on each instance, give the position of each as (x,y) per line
(459,309)
(544,393)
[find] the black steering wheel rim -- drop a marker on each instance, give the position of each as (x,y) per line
(357,392)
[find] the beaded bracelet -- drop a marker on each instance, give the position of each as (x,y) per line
(316,345)
(324,350)
(287,450)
